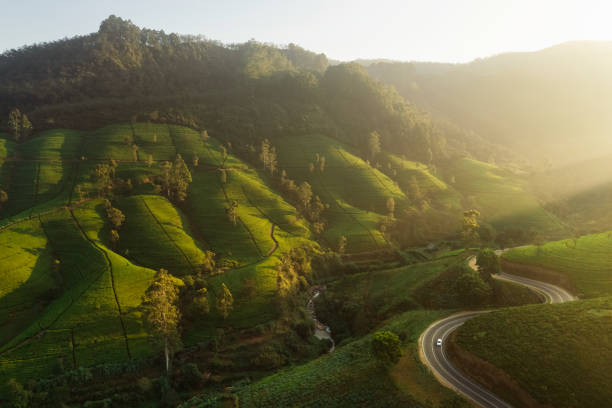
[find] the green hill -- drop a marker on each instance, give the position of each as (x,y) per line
(585,260)
(502,198)
(560,353)
(325,380)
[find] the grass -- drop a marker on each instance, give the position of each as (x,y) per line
(7,149)
(357,193)
(84,319)
(408,171)
(155,234)
(587,261)
(501,197)
(351,376)
(26,277)
(110,142)
(561,354)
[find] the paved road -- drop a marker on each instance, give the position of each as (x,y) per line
(435,357)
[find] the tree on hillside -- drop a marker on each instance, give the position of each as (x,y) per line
(373,145)
(175,179)
(472,289)
(267,156)
(161,314)
(204,135)
(3,198)
(102,177)
(469,232)
(391,206)
(225,301)
(386,347)
(322,164)
(305,195)
(342,244)
(114,215)
(19,124)
(135,151)
(181,177)
(150,160)
(488,263)
(232,212)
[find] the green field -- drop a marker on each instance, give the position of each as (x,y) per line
(155,234)
(586,260)
(351,376)
(560,354)
(357,193)
(81,325)
(501,197)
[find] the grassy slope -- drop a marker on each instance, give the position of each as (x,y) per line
(351,377)
(501,197)
(561,354)
(25,276)
(357,194)
(82,325)
(586,261)
(441,193)
(7,149)
(155,234)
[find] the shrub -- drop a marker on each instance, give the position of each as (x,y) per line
(386,347)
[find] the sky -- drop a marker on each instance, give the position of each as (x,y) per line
(407,30)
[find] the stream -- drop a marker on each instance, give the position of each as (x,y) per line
(322,331)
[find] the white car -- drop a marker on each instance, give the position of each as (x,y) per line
(439,342)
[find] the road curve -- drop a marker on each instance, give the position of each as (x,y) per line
(436,359)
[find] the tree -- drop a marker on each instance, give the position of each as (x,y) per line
(3,198)
(488,263)
(161,314)
(373,144)
(472,289)
(469,231)
(391,206)
(305,195)
(204,135)
(223,176)
(175,179)
(135,152)
(14,123)
(232,211)
(19,397)
(200,302)
(102,177)
(322,164)
(150,160)
(26,126)
(386,347)
(114,238)
(114,215)
(196,160)
(267,156)
(342,244)
(225,301)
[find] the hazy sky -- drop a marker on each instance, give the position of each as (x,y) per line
(430,30)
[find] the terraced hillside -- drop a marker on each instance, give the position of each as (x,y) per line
(356,193)
(70,297)
(586,261)
(501,197)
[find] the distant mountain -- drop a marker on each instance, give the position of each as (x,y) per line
(549,104)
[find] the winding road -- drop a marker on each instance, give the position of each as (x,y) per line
(436,359)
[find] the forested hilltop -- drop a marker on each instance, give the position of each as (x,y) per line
(550,105)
